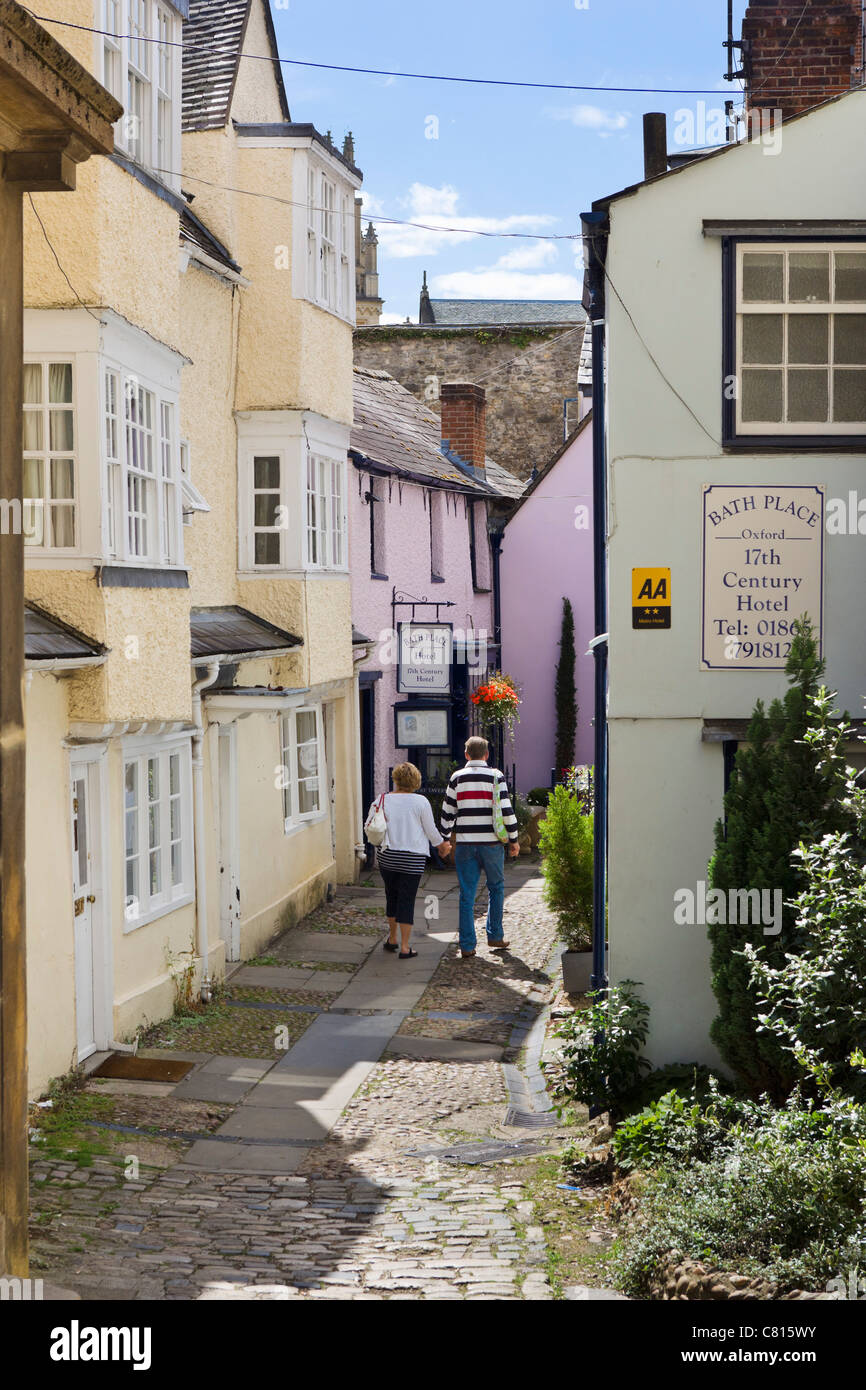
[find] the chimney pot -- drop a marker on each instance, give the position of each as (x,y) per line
(655,144)
(464,422)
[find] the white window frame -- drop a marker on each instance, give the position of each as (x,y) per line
(131,56)
(325,512)
(785,308)
(140,422)
(154,835)
(292,778)
(330,253)
(36,514)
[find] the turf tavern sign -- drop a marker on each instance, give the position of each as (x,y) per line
(763,567)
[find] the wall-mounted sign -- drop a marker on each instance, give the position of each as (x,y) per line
(425,652)
(417,726)
(651,598)
(763,568)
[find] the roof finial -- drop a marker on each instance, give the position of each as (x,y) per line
(349,148)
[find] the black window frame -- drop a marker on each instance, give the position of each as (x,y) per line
(373,502)
(775,443)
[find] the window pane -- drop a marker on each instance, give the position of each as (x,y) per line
(32,430)
(762,396)
(809,277)
(308,797)
(266,504)
(62,528)
(849,388)
(267,548)
(174,774)
(763,278)
(60,383)
(850,338)
(131,784)
(808,396)
(131,882)
(267,473)
(131,832)
(61,430)
(174,805)
(306,725)
(62,478)
(176,864)
(155,874)
(809,338)
(32,383)
(33,477)
(850,275)
(763,337)
(152,779)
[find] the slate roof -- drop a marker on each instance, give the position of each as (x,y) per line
(482,313)
(396,431)
(506,484)
(192,229)
(234,631)
(213,38)
(46,638)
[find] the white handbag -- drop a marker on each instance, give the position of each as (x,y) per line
(376,824)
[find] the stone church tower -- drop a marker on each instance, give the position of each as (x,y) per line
(368,303)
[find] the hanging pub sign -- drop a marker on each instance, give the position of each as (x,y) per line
(424,655)
(422,726)
(763,568)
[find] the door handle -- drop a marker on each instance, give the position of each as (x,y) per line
(91,898)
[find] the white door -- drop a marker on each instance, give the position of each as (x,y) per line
(331,771)
(230,889)
(84,882)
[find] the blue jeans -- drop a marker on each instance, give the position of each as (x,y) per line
(469,860)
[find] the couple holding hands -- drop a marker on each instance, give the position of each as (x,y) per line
(477,810)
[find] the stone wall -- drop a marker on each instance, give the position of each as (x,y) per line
(527,374)
(690,1280)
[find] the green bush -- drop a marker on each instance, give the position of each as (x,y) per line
(601,1051)
(675,1130)
(781,792)
(566,840)
(781,1194)
(686,1078)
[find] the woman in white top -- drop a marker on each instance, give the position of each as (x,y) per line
(403,856)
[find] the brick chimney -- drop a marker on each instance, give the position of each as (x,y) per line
(795,58)
(464,422)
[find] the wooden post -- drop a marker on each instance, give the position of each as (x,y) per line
(13,982)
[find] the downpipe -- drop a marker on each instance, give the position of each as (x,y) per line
(202,944)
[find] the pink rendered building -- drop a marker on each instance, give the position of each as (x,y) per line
(547,555)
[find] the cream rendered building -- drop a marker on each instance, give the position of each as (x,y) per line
(191,696)
(736,321)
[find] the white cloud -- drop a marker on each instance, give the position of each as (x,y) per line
(590,118)
(493,283)
(531,257)
(394,318)
(437,208)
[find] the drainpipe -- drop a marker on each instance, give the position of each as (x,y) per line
(595,242)
(497,536)
(202,946)
(357,663)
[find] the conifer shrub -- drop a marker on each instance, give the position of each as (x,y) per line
(566,842)
(565,693)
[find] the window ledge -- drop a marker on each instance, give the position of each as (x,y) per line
(378,576)
(147,918)
(477,590)
(799,443)
(437,579)
(293,827)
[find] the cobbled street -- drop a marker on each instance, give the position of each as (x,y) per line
(328,1170)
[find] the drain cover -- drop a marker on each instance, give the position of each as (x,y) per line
(526,1119)
(125,1068)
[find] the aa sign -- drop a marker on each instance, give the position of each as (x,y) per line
(651,598)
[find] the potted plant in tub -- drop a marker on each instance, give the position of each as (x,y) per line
(566,840)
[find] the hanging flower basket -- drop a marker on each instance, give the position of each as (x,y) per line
(497,703)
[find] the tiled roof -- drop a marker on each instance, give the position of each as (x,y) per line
(485,312)
(192,229)
(395,430)
(213,38)
(46,638)
(235,631)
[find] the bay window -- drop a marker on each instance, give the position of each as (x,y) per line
(292,497)
(141,456)
(141,68)
(158,854)
(50,469)
(325,532)
(330,243)
(301,765)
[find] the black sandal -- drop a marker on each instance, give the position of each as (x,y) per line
(391,946)
(408,955)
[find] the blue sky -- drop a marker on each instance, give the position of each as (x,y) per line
(502,158)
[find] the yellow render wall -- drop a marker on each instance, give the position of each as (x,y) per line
(117,242)
(255,96)
(48,869)
(208,310)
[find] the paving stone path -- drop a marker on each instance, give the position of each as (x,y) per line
(325,1180)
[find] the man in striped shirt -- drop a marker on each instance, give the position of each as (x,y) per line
(468,808)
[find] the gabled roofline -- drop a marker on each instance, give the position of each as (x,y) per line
(278,67)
